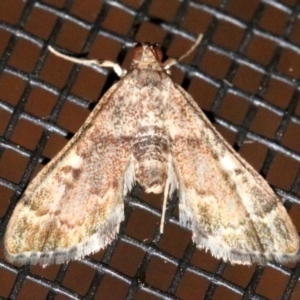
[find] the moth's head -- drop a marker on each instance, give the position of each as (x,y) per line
(147,56)
(147,53)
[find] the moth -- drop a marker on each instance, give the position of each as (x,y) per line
(148,129)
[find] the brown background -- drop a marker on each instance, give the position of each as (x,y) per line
(245,75)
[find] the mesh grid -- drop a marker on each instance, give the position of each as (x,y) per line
(244,75)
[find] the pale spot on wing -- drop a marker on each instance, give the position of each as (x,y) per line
(73,160)
(227,163)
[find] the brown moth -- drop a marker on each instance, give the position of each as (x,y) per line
(147,129)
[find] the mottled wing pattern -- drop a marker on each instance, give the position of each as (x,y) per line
(223,200)
(74,206)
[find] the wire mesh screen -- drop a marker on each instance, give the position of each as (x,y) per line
(244,75)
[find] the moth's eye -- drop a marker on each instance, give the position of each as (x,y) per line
(157,53)
(138,52)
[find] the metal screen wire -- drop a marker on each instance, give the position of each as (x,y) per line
(244,75)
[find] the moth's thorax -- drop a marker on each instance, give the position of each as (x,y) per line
(147,57)
(150,150)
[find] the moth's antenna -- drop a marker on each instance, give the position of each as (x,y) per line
(90,62)
(193,47)
(173,61)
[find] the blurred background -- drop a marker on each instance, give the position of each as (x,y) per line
(244,75)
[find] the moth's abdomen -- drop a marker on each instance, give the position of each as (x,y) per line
(150,150)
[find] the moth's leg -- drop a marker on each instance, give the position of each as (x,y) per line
(163,213)
(89,62)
